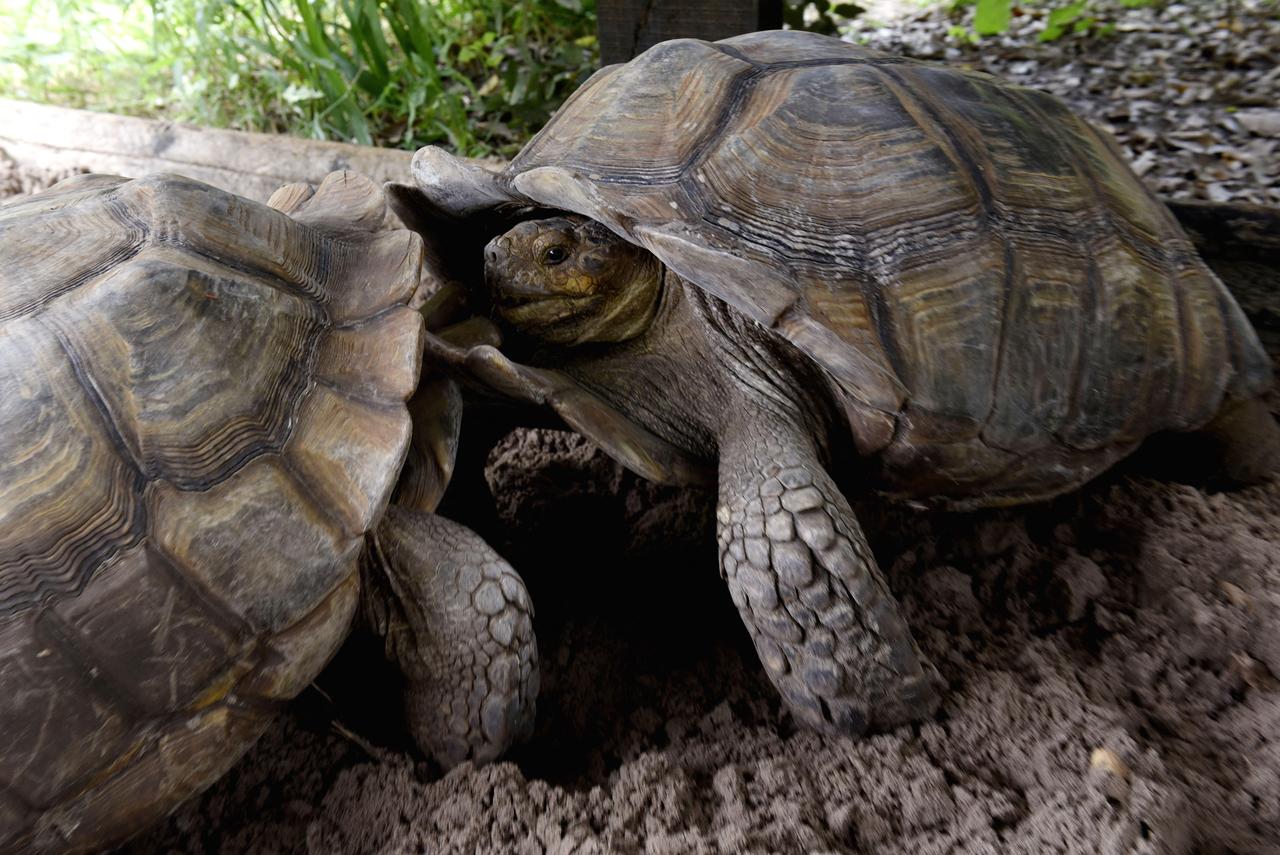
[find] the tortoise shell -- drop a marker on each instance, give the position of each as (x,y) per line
(203,414)
(983,278)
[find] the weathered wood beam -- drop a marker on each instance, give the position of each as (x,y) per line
(253,165)
(627,27)
(1235,229)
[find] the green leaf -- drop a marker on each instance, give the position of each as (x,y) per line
(992,17)
(847,10)
(1059,19)
(1064,15)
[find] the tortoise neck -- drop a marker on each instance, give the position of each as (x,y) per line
(701,367)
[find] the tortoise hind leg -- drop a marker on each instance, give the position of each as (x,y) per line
(1244,441)
(806,585)
(458,621)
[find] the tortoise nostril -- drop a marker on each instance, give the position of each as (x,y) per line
(491,253)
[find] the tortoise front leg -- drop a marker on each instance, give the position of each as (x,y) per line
(798,567)
(457,620)
(636,448)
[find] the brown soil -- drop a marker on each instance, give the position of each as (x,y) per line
(1111,659)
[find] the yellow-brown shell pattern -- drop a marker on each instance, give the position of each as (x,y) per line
(975,266)
(202,414)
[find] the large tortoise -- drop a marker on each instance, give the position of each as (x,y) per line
(203,415)
(781,251)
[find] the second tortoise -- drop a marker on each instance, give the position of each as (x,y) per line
(781,252)
(202,425)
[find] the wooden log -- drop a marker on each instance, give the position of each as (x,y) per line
(57,139)
(1236,229)
(627,27)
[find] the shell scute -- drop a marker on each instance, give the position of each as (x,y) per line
(261,517)
(52,700)
(961,255)
(651,136)
(51,250)
(335,433)
(69,492)
(799,46)
(170,659)
(152,336)
(1041,345)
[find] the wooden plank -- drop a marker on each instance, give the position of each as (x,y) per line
(59,139)
(1231,229)
(627,27)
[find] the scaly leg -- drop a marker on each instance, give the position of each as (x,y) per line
(807,587)
(458,621)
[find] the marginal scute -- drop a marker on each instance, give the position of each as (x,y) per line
(288,198)
(173,765)
(52,250)
(379,359)
(1041,343)
(334,455)
(295,655)
(1250,365)
(344,203)
(376,274)
(1205,348)
(436,410)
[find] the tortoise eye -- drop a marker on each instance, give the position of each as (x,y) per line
(554,255)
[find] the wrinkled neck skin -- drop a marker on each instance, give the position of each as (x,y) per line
(699,370)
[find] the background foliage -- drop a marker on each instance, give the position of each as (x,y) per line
(477,75)
(480,76)
(992,17)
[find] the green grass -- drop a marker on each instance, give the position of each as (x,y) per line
(477,75)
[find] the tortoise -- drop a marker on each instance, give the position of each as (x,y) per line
(783,255)
(203,421)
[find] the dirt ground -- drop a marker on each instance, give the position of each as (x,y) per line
(1111,659)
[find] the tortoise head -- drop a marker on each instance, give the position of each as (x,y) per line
(569,280)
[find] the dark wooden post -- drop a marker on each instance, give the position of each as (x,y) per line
(626,27)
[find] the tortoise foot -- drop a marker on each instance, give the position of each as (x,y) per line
(457,619)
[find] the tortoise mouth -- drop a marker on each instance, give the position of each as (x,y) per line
(516,299)
(543,309)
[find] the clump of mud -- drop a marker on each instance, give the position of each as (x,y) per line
(1111,659)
